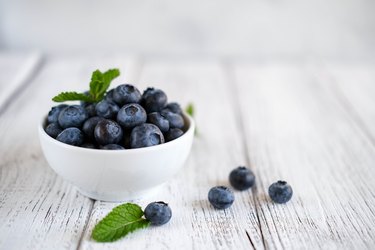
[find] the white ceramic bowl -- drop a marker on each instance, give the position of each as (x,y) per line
(117,175)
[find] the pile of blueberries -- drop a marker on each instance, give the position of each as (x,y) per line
(242,178)
(124,119)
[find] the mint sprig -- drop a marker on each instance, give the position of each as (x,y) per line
(191,111)
(98,86)
(122,220)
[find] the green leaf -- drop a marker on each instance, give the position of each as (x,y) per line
(100,82)
(190,109)
(72,96)
(121,221)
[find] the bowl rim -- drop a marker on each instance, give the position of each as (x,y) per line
(190,130)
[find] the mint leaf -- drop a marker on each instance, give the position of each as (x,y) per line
(190,109)
(100,82)
(71,96)
(121,221)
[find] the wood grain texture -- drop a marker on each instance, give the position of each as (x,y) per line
(296,131)
(38,210)
(216,151)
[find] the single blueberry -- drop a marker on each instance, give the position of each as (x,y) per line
(72,136)
(109,96)
(131,115)
(175,120)
(280,192)
(126,93)
(53,129)
(172,134)
(112,147)
(88,145)
(154,100)
(53,114)
(241,178)
(158,213)
(146,135)
(72,116)
(106,109)
(158,120)
(174,107)
(220,197)
(108,132)
(89,126)
(90,109)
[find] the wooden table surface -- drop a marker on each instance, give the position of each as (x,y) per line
(310,123)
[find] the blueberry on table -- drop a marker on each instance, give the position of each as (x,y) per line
(158,213)
(174,107)
(126,93)
(241,178)
(146,135)
(172,134)
(72,116)
(112,147)
(89,126)
(53,129)
(108,132)
(106,109)
(175,120)
(154,100)
(280,192)
(71,136)
(220,197)
(160,121)
(131,115)
(53,114)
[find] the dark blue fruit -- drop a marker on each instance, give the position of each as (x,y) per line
(53,129)
(146,135)
(53,114)
(88,145)
(109,96)
(174,107)
(172,134)
(89,126)
(154,100)
(241,178)
(280,192)
(220,197)
(72,116)
(108,132)
(175,120)
(158,120)
(126,93)
(158,213)
(131,115)
(72,136)
(113,147)
(90,109)
(106,109)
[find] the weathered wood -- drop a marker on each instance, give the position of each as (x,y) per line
(296,131)
(38,210)
(216,151)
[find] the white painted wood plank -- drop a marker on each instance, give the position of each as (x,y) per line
(296,131)
(38,210)
(216,151)
(15,69)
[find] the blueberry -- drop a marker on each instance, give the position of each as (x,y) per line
(220,197)
(106,109)
(53,129)
(109,96)
(89,126)
(72,136)
(90,109)
(154,100)
(241,178)
(53,114)
(172,134)
(108,132)
(88,145)
(280,192)
(126,93)
(158,213)
(113,147)
(158,120)
(131,115)
(146,135)
(174,107)
(83,103)
(175,120)
(72,116)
